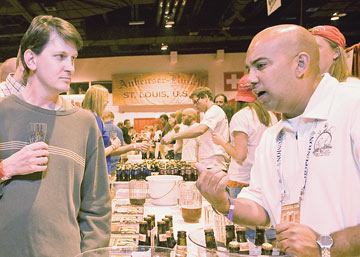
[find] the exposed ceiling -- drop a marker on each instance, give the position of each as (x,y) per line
(200,26)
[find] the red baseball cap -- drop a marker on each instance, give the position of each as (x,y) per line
(330,32)
(244,91)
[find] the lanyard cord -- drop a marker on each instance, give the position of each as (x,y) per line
(306,168)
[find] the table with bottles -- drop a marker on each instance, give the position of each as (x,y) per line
(158,225)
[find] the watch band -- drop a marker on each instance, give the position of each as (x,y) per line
(230,213)
(325,252)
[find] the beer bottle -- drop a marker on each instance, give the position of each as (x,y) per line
(259,239)
(234,247)
(152,216)
(161,234)
(153,229)
(266,249)
(187,174)
(210,239)
(148,221)
(241,238)
(259,235)
(230,234)
(194,175)
(181,248)
(143,234)
(172,238)
(171,243)
(127,173)
(118,174)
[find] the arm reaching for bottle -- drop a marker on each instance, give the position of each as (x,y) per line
(212,184)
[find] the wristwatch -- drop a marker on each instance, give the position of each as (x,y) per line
(325,243)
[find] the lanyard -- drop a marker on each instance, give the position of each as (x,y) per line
(306,168)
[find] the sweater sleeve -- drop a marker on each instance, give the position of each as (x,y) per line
(95,209)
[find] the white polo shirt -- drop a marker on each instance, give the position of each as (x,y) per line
(246,121)
(332,194)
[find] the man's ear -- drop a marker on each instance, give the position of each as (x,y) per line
(30,59)
(302,64)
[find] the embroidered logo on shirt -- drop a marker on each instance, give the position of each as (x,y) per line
(322,145)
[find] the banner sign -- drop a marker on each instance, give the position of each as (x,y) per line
(171,88)
(231,80)
(272,6)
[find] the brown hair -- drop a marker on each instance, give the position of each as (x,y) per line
(39,31)
(200,92)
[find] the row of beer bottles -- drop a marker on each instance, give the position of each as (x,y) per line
(129,172)
(164,236)
(239,243)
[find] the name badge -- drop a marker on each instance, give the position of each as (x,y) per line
(290,213)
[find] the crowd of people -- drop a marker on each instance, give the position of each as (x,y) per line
(300,174)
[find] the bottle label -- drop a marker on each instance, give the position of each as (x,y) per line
(244,247)
(142,237)
(162,237)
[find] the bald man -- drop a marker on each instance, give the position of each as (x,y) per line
(190,146)
(12,72)
(306,179)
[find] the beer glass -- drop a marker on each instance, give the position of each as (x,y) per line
(190,202)
(137,192)
(37,132)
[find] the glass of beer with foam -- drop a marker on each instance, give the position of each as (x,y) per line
(190,202)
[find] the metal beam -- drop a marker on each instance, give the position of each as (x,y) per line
(24,12)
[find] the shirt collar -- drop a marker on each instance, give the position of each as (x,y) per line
(319,105)
(14,83)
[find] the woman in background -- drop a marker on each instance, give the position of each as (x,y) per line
(246,128)
(331,44)
(96,100)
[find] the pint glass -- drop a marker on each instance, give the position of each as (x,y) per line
(190,202)
(137,191)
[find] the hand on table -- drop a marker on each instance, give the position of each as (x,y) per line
(30,159)
(212,184)
(297,239)
(218,139)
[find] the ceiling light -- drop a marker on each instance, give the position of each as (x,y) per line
(164,47)
(135,23)
(337,15)
(168,25)
(193,33)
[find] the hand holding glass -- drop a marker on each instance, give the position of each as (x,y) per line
(37,132)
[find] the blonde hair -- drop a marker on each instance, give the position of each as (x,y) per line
(263,115)
(95,98)
(338,68)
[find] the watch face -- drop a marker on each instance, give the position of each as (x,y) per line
(325,241)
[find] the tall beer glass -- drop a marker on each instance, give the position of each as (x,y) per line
(190,202)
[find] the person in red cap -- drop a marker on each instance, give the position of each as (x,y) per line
(246,128)
(331,44)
